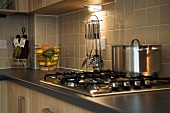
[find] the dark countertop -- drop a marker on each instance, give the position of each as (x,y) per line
(146,102)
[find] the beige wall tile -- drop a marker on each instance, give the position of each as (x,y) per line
(151,3)
(72,51)
(72,63)
(77,39)
(129,5)
(9,38)
(71,17)
(129,19)
(83,51)
(51,20)
(110,24)
(31,29)
(63,40)
(71,40)
(119,21)
(152,35)
(1,26)
(8,52)
(51,40)
(110,38)
(70,28)
(2,53)
(152,16)
(51,29)
(7,28)
(103,33)
(62,52)
(107,54)
(140,34)
(76,16)
(77,64)
(41,29)
(164,14)
(67,52)
(80,64)
(61,62)
(31,19)
(119,38)
(40,19)
(77,51)
(65,29)
(140,17)
(82,15)
(140,4)
(162,2)
(107,64)
(66,19)
(82,39)
(40,40)
(129,35)
(58,40)
(119,6)
(60,19)
(110,8)
(76,27)
(165,70)
(6,62)
(165,53)
(82,26)
(164,34)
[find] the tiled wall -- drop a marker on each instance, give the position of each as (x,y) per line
(9,28)
(43,30)
(123,20)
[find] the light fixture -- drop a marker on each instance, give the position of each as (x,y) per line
(93,7)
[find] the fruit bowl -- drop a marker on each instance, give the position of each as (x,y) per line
(47,57)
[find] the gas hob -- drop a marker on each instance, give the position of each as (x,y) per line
(105,82)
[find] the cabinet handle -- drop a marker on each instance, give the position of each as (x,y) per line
(20,98)
(46,110)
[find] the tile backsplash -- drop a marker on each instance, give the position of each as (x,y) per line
(9,28)
(122,21)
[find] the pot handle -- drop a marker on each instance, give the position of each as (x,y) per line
(134,41)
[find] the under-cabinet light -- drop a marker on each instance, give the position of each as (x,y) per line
(93,7)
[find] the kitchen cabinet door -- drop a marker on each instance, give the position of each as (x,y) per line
(14,92)
(40,101)
(23,5)
(50,2)
(3,97)
(37,4)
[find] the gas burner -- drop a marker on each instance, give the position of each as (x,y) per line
(105,82)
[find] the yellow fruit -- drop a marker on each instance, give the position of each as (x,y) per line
(39,52)
(54,63)
(48,59)
(57,50)
(41,63)
(49,63)
(55,57)
(56,47)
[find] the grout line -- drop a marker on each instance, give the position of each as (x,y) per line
(158,22)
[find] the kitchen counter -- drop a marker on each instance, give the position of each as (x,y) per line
(146,102)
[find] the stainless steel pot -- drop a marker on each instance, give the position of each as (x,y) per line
(136,59)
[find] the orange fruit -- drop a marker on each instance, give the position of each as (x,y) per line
(41,58)
(45,47)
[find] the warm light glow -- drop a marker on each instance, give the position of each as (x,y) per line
(93,7)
